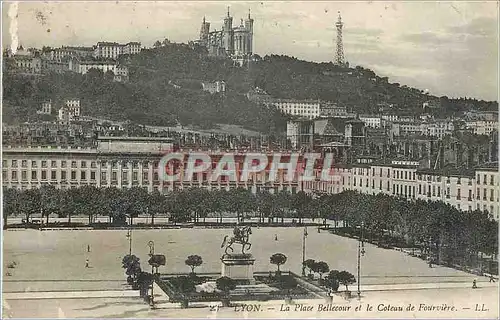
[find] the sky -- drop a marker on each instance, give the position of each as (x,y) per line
(449,48)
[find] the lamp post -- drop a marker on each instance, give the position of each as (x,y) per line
(129,237)
(304,251)
(151,246)
(361,252)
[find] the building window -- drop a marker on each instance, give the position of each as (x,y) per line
(492,180)
(33,164)
(53,175)
(33,175)
(83,175)
(73,164)
(155,176)
(24,163)
(44,175)
(114,176)
(419,189)
(459,181)
(478,193)
(125,176)
(458,194)
(439,191)
(14,163)
(92,175)
(145,176)
(93,164)
(63,175)
(73,175)
(14,175)
(44,164)
(104,164)
(53,164)
(135,165)
(478,178)
(484,194)
(134,176)
(484,179)
(103,176)
(448,192)
(84,164)
(63,164)
(492,195)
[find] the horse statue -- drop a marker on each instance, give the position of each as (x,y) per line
(241,235)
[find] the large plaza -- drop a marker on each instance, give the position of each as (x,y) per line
(54,261)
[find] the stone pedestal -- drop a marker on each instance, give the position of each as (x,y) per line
(238,267)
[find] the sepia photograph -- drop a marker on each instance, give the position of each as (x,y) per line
(250,159)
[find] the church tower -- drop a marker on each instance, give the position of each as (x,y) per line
(249,28)
(204,31)
(228,34)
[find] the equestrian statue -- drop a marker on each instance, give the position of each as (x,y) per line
(241,235)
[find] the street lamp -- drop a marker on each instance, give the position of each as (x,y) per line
(361,253)
(129,236)
(151,246)
(304,251)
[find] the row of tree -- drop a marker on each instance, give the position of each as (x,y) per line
(436,227)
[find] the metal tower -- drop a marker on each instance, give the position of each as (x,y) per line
(339,54)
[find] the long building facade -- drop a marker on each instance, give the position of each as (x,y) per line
(120,162)
(125,162)
(478,189)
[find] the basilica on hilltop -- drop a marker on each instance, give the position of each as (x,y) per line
(234,42)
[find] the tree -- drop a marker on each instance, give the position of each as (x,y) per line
(157,203)
(345,278)
(132,267)
(29,203)
(49,200)
(193,261)
(11,203)
(300,201)
(332,281)
(157,44)
(309,263)
(225,284)
(321,267)
(278,259)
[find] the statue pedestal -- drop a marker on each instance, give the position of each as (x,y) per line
(238,267)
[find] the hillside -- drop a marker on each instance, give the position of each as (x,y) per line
(165,89)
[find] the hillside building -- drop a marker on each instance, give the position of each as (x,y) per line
(214,87)
(46,108)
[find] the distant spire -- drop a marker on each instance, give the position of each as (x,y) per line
(228,12)
(203,19)
(249,14)
(241,21)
